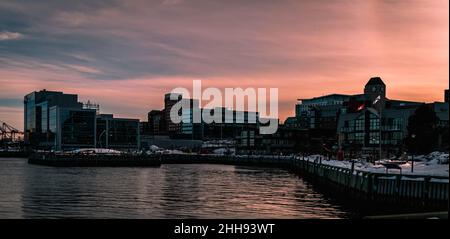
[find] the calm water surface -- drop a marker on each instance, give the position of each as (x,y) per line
(171,191)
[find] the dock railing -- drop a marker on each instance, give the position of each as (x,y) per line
(382,186)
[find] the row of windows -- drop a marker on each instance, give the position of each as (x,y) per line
(374,137)
(77,127)
(374,124)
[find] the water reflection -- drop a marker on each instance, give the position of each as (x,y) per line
(172,191)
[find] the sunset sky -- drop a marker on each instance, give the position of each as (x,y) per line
(125,54)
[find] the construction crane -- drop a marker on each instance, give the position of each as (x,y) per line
(9,134)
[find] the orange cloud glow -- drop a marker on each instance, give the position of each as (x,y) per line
(126,56)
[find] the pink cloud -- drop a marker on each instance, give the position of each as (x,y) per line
(5,35)
(305,48)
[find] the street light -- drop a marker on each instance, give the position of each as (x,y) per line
(413,136)
(381,132)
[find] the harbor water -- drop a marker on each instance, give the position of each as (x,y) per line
(170,191)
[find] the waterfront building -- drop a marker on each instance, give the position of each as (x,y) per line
(144,128)
(324,112)
(360,131)
(157,122)
(55,120)
(189,129)
(171,127)
(36,109)
(442,125)
(160,123)
(72,128)
(241,120)
(286,140)
(292,122)
(374,122)
(441,110)
(362,120)
(117,133)
(319,112)
(371,117)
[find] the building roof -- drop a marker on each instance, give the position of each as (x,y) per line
(290,120)
(404,103)
(327,96)
(375,81)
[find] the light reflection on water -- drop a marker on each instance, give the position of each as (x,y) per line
(172,191)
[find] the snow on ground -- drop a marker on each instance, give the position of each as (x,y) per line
(224,151)
(166,151)
(433,164)
(97,151)
(154,148)
(218,143)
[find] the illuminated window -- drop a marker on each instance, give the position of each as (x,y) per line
(359,124)
(374,138)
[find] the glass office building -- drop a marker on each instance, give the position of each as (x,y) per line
(117,133)
(37,105)
(72,128)
(54,120)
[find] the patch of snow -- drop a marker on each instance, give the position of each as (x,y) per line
(439,180)
(154,148)
(224,151)
(433,164)
(413,179)
(96,151)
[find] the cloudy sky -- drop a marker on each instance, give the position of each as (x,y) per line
(124,54)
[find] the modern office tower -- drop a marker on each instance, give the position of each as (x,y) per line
(57,121)
(189,128)
(53,119)
(171,127)
(156,122)
(36,105)
(225,129)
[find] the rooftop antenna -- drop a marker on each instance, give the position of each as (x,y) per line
(92,106)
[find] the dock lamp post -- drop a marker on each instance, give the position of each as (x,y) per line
(413,136)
